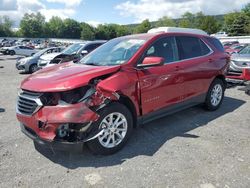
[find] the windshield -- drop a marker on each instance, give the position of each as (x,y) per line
(245,50)
(114,52)
(73,49)
(41,52)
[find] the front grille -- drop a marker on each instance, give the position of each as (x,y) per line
(28,102)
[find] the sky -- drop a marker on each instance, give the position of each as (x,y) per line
(97,12)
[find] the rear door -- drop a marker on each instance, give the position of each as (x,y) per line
(161,86)
(195,67)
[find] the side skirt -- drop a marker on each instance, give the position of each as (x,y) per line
(171,109)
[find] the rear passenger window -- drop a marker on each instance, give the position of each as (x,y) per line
(191,47)
(164,47)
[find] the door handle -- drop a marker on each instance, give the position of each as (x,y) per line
(177,68)
(210,60)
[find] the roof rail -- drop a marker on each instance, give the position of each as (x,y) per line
(177,30)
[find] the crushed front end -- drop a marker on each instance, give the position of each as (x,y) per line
(61,120)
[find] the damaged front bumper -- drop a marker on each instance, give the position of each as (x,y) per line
(45,126)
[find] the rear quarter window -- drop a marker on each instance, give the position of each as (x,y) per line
(216,43)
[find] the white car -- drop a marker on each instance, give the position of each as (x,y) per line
(220,34)
(21,50)
(45,59)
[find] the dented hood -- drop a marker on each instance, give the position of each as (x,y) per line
(64,77)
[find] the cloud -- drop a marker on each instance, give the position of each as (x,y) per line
(68,3)
(155,9)
(62,13)
(8,5)
(15,9)
(93,23)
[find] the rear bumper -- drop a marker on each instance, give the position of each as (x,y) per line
(55,145)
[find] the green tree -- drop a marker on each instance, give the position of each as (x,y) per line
(187,20)
(209,24)
(246,10)
(32,25)
(5,26)
(122,30)
(239,24)
(88,32)
(55,27)
(143,27)
(71,29)
(165,22)
(235,23)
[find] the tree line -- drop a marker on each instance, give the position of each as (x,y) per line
(34,26)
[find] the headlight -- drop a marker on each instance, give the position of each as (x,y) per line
(76,95)
(22,62)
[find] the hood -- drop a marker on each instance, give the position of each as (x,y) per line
(26,58)
(63,77)
(241,57)
(50,56)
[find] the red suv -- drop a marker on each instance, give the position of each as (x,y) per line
(128,81)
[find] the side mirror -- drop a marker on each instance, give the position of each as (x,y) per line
(84,52)
(151,62)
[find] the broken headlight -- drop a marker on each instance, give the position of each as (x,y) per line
(77,95)
(49,99)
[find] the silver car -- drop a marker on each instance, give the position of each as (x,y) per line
(29,64)
(240,60)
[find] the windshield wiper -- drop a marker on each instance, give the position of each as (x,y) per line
(92,63)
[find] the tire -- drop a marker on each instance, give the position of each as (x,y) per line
(33,68)
(105,145)
(12,52)
(215,95)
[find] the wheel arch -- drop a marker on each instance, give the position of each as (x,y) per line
(126,101)
(221,77)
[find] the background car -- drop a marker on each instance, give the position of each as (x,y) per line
(220,34)
(21,50)
(29,64)
(227,45)
(240,60)
(73,53)
(4,50)
(235,48)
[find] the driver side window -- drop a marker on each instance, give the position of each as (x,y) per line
(165,48)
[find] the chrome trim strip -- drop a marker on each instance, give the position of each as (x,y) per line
(32,98)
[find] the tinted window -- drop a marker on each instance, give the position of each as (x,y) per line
(190,47)
(166,48)
(91,47)
(204,49)
(216,43)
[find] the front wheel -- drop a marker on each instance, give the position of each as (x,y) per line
(117,123)
(215,95)
(33,68)
(12,52)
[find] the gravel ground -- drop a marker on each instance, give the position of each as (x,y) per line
(192,148)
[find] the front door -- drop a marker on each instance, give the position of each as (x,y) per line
(161,86)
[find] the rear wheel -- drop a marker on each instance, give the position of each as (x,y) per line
(117,124)
(12,52)
(215,95)
(33,68)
